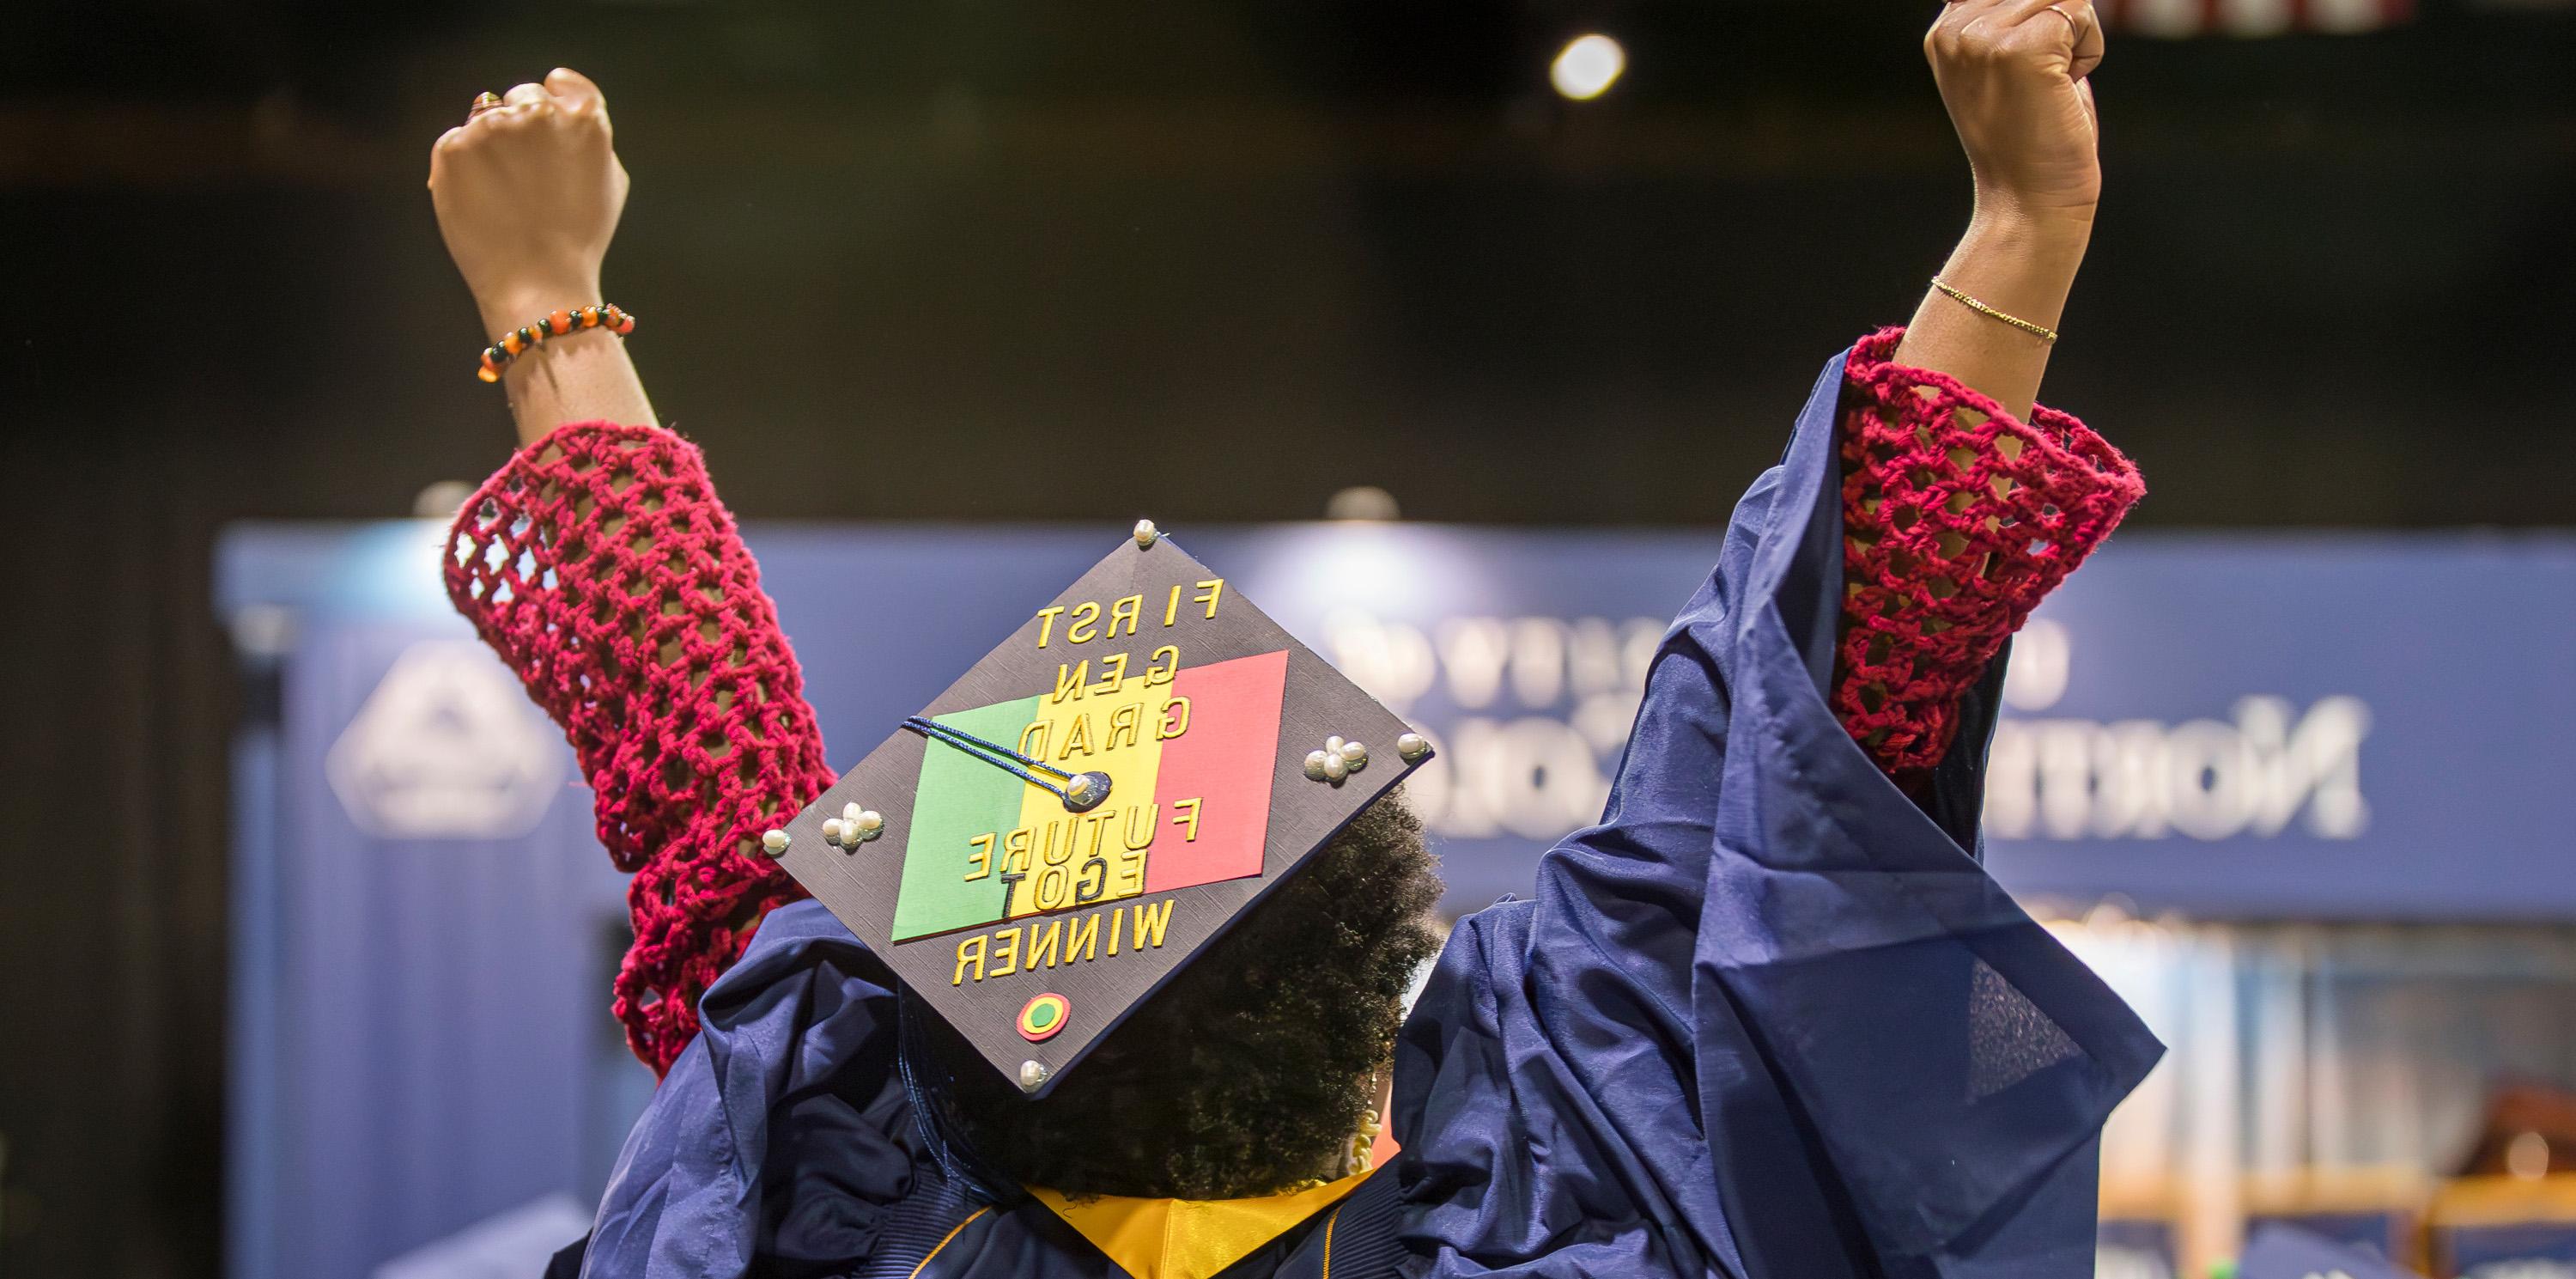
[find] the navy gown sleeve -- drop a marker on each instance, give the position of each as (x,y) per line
(1770,1017)
(781,1138)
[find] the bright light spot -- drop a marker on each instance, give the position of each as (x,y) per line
(1588,67)
(2527,1156)
(1362,502)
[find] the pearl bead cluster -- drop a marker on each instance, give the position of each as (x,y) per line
(1338,759)
(855,826)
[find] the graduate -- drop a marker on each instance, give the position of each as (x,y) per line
(1098,966)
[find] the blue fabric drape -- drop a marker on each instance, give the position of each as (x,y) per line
(1768,1019)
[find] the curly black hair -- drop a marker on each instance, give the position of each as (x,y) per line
(1253,1068)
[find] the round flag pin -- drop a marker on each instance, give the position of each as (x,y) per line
(1042,1017)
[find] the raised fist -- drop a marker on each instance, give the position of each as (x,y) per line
(2012,73)
(528,196)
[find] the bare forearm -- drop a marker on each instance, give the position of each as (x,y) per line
(2019,264)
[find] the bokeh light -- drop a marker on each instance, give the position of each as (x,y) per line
(1587,67)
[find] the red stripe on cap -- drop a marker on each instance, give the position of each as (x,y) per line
(1225,761)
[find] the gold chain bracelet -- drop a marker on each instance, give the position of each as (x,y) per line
(2041,331)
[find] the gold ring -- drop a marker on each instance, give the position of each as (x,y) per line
(484,101)
(2073,28)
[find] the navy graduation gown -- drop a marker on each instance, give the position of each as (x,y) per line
(1769,1018)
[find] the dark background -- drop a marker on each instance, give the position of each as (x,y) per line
(991,259)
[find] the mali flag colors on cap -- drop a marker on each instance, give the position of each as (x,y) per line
(1187,750)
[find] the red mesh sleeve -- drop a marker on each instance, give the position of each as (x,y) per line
(1957,520)
(602,569)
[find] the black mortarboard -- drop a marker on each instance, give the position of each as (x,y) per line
(1091,805)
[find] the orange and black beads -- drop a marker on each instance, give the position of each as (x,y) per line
(497,356)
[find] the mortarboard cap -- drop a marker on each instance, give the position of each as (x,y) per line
(1092,804)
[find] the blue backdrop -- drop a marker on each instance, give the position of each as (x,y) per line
(2228,726)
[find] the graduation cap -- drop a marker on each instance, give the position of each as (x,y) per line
(1090,806)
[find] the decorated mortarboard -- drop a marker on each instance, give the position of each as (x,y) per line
(1090,806)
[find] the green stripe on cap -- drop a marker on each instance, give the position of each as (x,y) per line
(961,797)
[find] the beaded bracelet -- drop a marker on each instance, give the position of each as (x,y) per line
(498,355)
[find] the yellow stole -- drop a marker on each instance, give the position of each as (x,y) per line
(1189,1238)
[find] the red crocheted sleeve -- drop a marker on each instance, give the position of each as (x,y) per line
(602,569)
(1958,518)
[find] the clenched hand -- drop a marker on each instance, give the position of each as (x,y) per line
(2013,75)
(528,196)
